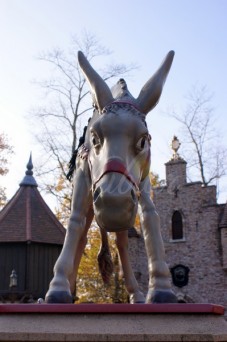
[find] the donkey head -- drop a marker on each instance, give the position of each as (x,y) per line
(119,142)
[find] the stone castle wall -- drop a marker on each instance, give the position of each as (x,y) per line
(203,248)
(138,258)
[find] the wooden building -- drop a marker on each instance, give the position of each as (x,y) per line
(31,239)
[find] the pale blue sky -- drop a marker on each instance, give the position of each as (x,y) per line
(136,31)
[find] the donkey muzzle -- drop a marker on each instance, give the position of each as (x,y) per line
(115,202)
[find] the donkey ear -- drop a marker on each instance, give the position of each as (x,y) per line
(100,91)
(151,91)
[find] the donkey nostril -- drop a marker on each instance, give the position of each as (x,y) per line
(133,195)
(96,194)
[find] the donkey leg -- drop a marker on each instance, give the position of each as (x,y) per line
(159,275)
(132,287)
(59,290)
(79,252)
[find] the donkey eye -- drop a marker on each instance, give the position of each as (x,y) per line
(95,140)
(141,143)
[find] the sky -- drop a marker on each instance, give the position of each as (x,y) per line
(140,32)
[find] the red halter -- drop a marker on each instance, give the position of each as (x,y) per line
(119,167)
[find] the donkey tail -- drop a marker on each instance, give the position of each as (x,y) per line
(104,258)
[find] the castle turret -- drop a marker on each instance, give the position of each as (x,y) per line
(176,167)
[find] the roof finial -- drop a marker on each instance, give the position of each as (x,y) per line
(29,180)
(175,145)
(29,171)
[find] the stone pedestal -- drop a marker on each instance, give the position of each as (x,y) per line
(112,322)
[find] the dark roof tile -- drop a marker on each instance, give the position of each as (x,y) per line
(26,217)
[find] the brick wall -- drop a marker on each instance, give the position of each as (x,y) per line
(139,263)
(203,248)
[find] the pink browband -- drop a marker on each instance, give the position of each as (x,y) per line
(123,102)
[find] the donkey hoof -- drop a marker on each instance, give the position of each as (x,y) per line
(161,296)
(61,297)
(137,297)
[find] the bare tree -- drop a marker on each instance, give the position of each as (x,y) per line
(5,151)
(66,108)
(202,147)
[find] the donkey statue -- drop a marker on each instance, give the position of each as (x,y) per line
(111,179)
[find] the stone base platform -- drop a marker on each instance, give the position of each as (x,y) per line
(112,322)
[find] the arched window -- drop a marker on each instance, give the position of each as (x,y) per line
(177,226)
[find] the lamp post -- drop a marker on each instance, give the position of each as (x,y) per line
(13,285)
(13,279)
